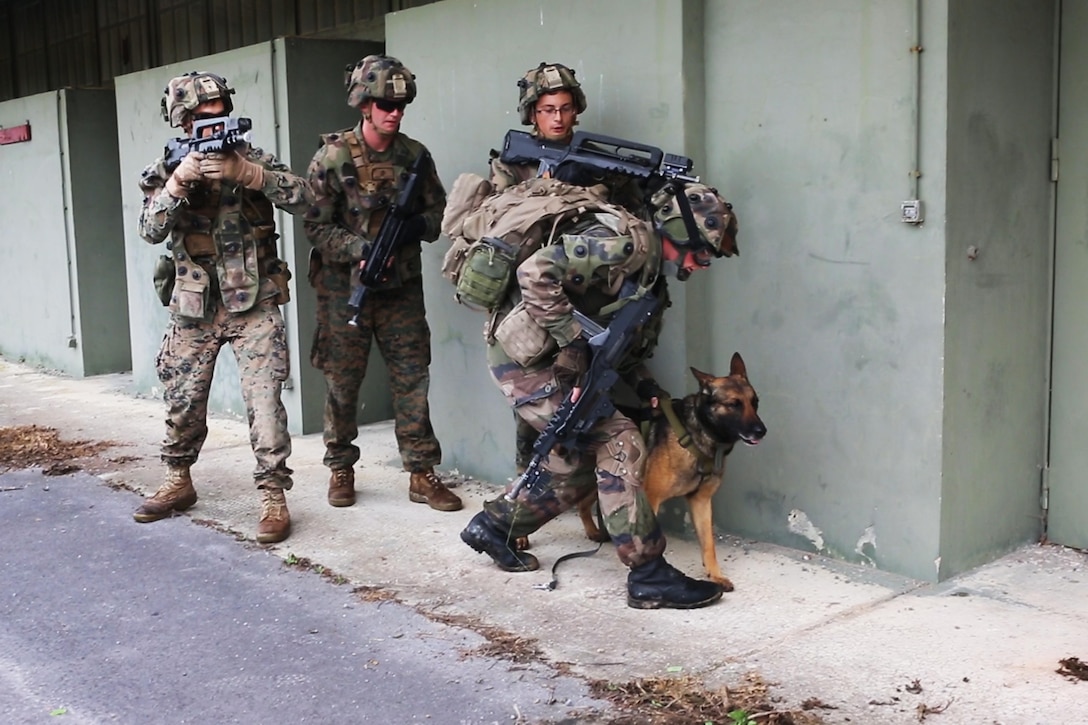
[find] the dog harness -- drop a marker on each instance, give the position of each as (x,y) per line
(705,464)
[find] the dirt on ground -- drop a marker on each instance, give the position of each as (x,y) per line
(33,446)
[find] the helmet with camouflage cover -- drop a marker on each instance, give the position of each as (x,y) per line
(186,92)
(544,79)
(713,216)
(379,76)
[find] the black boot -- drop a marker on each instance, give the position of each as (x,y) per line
(657,584)
(486,535)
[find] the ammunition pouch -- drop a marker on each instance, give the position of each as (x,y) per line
(522,339)
(278,271)
(485,276)
(163,279)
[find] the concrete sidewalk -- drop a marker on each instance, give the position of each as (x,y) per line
(871,647)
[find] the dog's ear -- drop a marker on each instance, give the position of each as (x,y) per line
(703,378)
(736,366)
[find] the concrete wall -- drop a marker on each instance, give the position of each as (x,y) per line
(997,265)
(61,260)
(293,90)
(836,305)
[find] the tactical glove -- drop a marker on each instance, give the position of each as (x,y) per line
(647,389)
(233,166)
(186,175)
(572,362)
(415,227)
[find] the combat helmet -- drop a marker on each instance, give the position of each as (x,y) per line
(712,217)
(379,76)
(547,78)
(186,92)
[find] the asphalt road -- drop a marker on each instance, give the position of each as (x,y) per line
(104,620)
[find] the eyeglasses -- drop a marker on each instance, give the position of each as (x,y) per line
(389,106)
(564,110)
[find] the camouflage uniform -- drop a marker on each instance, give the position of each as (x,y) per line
(583,271)
(623,190)
(341,225)
(228,285)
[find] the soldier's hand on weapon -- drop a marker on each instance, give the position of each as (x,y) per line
(232,166)
(648,390)
(415,227)
(572,363)
(186,175)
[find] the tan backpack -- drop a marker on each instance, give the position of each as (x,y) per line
(491,238)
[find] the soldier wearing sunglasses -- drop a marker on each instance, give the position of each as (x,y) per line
(355,177)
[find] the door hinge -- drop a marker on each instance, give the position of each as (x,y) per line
(1044,488)
(1053,159)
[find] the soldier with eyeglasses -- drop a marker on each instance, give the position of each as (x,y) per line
(550,98)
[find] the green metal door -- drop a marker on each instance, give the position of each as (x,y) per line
(1068,477)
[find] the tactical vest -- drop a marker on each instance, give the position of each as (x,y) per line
(368,197)
(231,228)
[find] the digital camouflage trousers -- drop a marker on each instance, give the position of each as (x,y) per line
(185,364)
(612,459)
(397,320)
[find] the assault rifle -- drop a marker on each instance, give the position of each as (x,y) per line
(577,416)
(391,235)
(602,153)
(222,133)
(653,168)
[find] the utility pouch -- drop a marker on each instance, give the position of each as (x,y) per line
(192,296)
(486,274)
(163,278)
(522,339)
(278,271)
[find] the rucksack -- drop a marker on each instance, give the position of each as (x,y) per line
(491,238)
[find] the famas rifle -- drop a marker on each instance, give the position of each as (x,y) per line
(221,133)
(602,153)
(579,413)
(391,234)
(605,155)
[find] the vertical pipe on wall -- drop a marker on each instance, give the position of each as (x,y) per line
(916,110)
(66,209)
(1048,399)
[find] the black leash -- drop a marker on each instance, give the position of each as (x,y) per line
(574,555)
(550,586)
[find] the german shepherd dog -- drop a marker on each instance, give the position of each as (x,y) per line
(688,458)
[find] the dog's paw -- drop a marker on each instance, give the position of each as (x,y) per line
(521,543)
(597,535)
(723,582)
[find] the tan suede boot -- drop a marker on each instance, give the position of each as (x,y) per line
(426,487)
(342,487)
(175,494)
(275,523)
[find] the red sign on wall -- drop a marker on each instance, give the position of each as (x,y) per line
(15,134)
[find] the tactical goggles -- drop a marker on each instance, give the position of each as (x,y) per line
(388,106)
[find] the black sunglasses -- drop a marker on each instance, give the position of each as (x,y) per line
(389,106)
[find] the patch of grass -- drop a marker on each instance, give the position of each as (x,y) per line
(687,700)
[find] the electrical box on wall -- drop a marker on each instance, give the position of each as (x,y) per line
(911,212)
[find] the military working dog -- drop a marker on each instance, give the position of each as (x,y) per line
(688,441)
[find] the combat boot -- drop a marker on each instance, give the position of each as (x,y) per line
(426,487)
(487,536)
(657,584)
(175,494)
(275,523)
(342,487)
